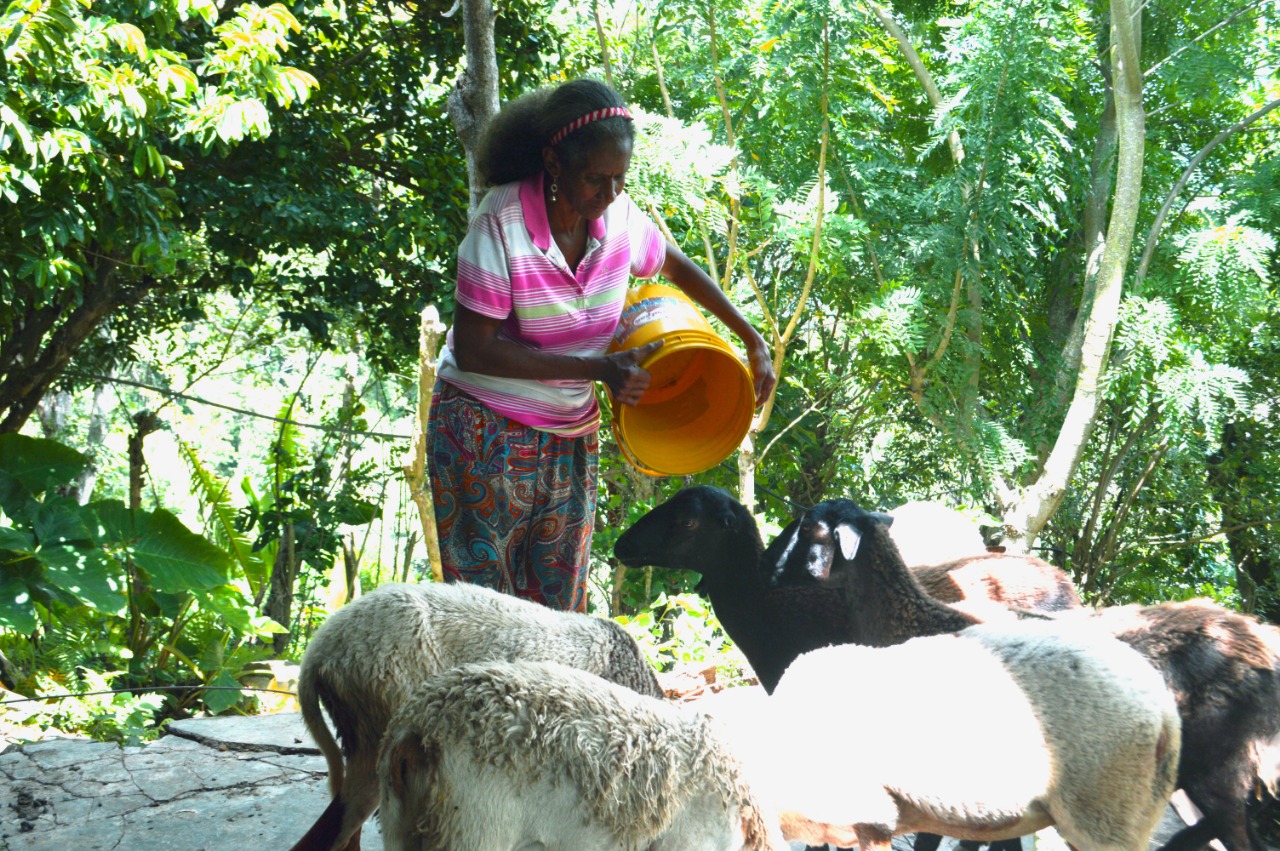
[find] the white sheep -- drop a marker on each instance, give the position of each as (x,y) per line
(1076,730)
(368,656)
(928,532)
(510,755)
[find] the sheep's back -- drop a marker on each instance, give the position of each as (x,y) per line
(1054,706)
(871,685)
(372,652)
(1022,581)
(1223,667)
(630,758)
(927,532)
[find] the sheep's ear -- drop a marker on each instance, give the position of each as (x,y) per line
(886,519)
(849,538)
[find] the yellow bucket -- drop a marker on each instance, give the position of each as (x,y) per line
(701,397)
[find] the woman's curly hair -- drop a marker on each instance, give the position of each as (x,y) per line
(511,146)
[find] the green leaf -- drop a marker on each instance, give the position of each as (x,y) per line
(17,612)
(356,512)
(61,521)
(129,38)
(155,161)
(179,80)
(87,573)
(215,497)
(239,613)
(222,699)
(231,123)
(16,540)
(38,464)
(10,118)
(175,558)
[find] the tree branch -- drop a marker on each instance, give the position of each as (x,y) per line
(922,73)
(187,397)
(604,42)
(1227,21)
(1033,507)
(1154,234)
(735,205)
(474,100)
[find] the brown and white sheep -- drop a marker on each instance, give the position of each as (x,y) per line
(368,656)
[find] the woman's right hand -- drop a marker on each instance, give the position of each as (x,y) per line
(624,376)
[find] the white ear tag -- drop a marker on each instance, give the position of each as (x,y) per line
(849,538)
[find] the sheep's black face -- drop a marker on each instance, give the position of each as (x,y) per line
(688,531)
(807,550)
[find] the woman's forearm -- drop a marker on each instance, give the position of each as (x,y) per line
(697,284)
(502,358)
(478,348)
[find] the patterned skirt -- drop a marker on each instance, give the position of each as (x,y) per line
(515,507)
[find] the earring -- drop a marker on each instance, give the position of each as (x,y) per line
(554,190)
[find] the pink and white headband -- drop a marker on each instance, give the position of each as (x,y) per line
(579,123)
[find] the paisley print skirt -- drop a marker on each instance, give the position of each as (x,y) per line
(515,507)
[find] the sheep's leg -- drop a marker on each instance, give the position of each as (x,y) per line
(1191,837)
(359,798)
(1226,820)
(1003,844)
(353,844)
(326,830)
(1224,803)
(926,842)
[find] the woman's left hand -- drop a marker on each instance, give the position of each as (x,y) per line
(626,378)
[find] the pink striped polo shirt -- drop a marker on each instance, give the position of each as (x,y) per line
(510,268)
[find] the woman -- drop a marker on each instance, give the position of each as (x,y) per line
(542,274)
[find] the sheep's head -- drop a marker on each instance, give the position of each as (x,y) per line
(699,529)
(807,549)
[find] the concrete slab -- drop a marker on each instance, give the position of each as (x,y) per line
(214,784)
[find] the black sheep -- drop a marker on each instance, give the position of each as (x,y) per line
(1222,667)
(885,602)
(703,529)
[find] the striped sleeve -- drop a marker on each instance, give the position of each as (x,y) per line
(648,248)
(484,269)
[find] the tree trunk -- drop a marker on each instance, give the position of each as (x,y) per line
(82,488)
(145,423)
(414,464)
(40,348)
(346,453)
(474,100)
(410,543)
(351,566)
(1026,510)
(280,601)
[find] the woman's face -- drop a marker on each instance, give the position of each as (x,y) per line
(590,190)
